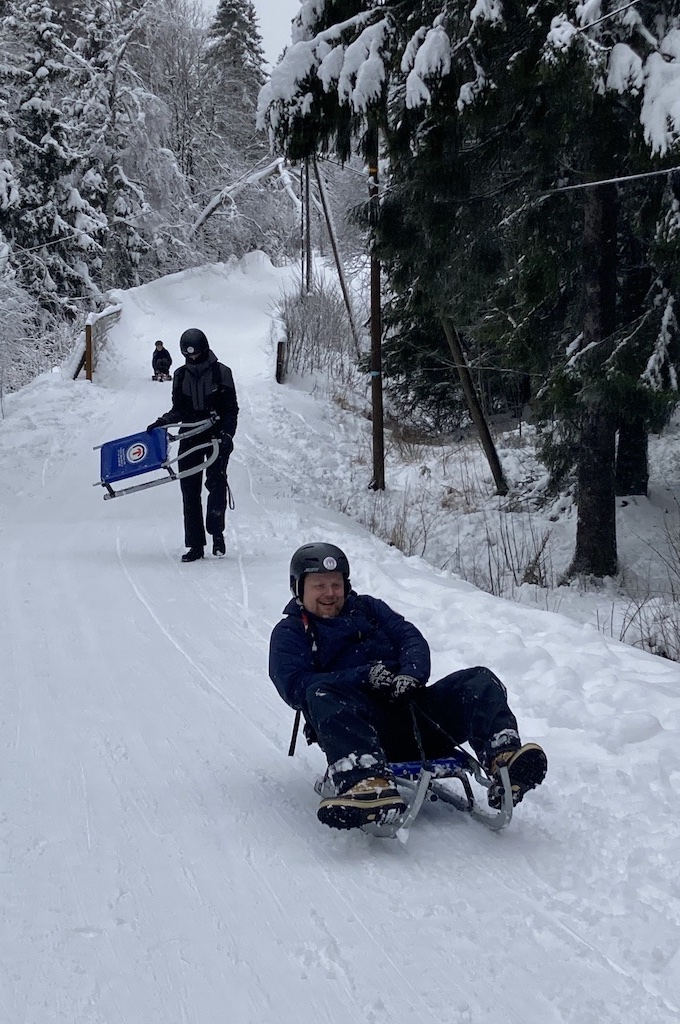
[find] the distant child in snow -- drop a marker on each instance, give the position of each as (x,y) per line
(161,361)
(357,670)
(202,388)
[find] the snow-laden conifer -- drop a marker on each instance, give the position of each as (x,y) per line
(55,233)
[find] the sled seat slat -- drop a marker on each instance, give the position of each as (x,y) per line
(440,768)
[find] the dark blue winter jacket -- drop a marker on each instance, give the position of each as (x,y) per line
(366,630)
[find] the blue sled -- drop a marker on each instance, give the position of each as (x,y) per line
(422,781)
(149,452)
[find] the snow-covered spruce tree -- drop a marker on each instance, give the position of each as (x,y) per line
(145,194)
(319,97)
(599,384)
(20,327)
(342,85)
(527,99)
(548,105)
(170,61)
(235,56)
(453,168)
(55,234)
(195,125)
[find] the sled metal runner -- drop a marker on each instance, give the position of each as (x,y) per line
(422,781)
(146,452)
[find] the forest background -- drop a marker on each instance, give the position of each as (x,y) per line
(525,227)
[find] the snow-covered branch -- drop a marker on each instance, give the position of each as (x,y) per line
(255,177)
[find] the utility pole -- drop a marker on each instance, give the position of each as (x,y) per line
(336,255)
(474,406)
(378,481)
(305,232)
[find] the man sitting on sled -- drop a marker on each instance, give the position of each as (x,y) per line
(161,361)
(357,670)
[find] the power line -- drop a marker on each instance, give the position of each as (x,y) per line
(609,181)
(612,14)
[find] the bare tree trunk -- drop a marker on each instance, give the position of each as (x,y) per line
(474,406)
(595,553)
(596,528)
(632,464)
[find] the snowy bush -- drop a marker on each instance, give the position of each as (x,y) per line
(317,332)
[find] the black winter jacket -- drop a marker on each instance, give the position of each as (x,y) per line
(202,388)
(161,360)
(366,630)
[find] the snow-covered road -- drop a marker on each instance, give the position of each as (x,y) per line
(160,858)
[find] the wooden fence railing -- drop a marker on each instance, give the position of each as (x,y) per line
(97,326)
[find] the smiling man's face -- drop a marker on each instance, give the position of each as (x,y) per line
(324,594)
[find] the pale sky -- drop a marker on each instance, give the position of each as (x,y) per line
(275,17)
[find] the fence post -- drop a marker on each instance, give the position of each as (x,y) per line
(280,362)
(88,352)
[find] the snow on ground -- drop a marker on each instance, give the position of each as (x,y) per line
(161,858)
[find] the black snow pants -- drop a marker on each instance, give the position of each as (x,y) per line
(216,486)
(360,732)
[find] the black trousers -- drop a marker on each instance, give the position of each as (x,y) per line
(192,486)
(360,732)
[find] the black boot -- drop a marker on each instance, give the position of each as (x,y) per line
(219,547)
(192,555)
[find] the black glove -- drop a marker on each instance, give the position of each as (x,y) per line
(380,678)
(156,423)
(226,444)
(403,686)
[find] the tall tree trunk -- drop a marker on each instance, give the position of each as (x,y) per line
(632,465)
(595,552)
(596,530)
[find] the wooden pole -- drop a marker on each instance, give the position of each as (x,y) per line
(336,256)
(302,230)
(308,233)
(474,406)
(89,355)
(378,481)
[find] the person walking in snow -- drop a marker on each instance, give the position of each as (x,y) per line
(161,361)
(357,670)
(202,388)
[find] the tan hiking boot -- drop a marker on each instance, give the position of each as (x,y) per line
(527,767)
(373,800)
